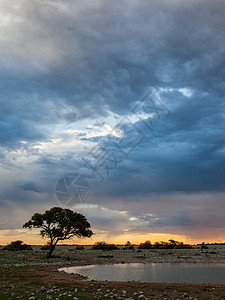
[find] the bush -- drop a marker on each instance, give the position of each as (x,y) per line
(128,246)
(183,246)
(145,245)
(17,246)
(171,244)
(203,246)
(45,247)
(104,246)
(80,247)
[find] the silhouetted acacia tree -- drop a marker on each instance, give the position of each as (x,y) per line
(59,224)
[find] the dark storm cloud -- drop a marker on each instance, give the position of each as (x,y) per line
(102,55)
(30,186)
(67,61)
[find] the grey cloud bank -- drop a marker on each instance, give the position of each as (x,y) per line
(68,65)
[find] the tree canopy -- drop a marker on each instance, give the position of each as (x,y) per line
(104,246)
(59,224)
(171,244)
(17,246)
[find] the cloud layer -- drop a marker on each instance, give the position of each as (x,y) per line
(70,71)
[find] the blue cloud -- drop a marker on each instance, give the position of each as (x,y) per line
(88,61)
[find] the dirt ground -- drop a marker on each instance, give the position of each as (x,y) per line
(31,276)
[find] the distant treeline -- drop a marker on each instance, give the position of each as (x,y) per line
(203,243)
(171,244)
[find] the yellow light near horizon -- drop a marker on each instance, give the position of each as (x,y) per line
(33,238)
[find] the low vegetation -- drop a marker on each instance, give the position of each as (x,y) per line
(171,244)
(79,247)
(104,246)
(45,247)
(145,245)
(17,246)
(128,246)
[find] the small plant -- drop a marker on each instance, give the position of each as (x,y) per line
(79,247)
(45,247)
(128,246)
(17,246)
(203,246)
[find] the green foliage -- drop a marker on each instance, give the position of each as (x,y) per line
(171,244)
(128,246)
(104,246)
(145,245)
(17,246)
(183,246)
(59,224)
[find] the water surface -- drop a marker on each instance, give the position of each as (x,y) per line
(154,272)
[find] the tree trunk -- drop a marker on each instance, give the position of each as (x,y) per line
(52,247)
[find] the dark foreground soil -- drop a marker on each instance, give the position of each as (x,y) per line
(26,276)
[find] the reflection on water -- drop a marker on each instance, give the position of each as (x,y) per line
(150,272)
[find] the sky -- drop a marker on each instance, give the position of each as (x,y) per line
(114,109)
